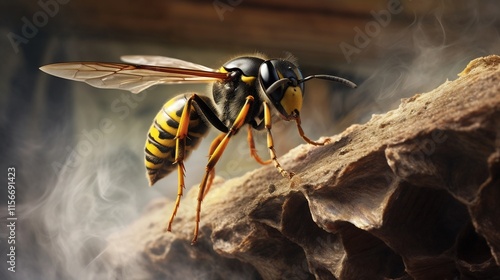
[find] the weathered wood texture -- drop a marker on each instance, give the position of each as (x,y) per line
(412,193)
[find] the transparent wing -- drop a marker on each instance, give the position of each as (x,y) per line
(134,78)
(163,61)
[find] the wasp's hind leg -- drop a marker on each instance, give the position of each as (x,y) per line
(218,147)
(180,156)
(167,145)
(182,127)
(184,119)
(199,105)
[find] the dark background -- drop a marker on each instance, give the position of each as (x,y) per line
(77,182)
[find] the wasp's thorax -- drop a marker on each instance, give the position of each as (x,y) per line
(280,80)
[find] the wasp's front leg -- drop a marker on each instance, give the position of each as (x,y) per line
(270,143)
(303,135)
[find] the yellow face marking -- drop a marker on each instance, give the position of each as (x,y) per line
(292,100)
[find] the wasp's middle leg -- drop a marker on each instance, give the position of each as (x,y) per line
(213,146)
(253,150)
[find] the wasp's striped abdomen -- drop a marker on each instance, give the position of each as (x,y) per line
(161,143)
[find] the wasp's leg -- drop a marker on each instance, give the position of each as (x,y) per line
(213,146)
(302,134)
(180,189)
(253,151)
(215,156)
(180,152)
(181,146)
(270,143)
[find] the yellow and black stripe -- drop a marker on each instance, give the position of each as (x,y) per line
(161,143)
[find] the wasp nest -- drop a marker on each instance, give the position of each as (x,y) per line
(411,194)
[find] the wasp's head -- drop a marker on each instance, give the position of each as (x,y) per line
(283,84)
(281,80)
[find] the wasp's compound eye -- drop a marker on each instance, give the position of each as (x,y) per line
(268,76)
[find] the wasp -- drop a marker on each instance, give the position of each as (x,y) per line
(247,90)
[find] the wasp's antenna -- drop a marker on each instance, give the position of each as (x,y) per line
(330,78)
(277,84)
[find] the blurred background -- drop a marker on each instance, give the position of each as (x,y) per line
(78,151)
